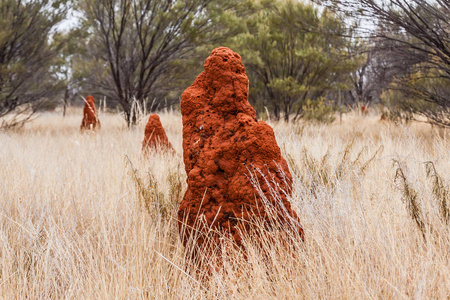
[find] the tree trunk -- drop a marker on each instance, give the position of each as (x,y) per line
(287,112)
(66,98)
(276,110)
(126,110)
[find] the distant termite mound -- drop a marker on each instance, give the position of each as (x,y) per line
(155,136)
(223,147)
(364,110)
(90,115)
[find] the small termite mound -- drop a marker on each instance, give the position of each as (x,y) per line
(90,115)
(155,136)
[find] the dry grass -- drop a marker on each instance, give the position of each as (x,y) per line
(86,217)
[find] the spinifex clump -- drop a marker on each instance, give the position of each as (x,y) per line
(90,115)
(223,145)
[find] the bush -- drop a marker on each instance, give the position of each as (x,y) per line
(318,111)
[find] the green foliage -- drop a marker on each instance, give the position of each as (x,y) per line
(318,111)
(148,50)
(397,105)
(410,95)
(292,53)
(413,48)
(426,92)
(29,49)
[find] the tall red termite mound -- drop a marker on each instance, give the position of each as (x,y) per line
(155,135)
(223,144)
(90,115)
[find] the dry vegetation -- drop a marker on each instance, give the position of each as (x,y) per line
(86,216)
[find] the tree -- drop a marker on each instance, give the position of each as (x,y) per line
(139,46)
(417,35)
(27,57)
(362,78)
(376,71)
(294,52)
(71,59)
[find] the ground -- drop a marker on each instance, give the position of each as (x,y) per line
(86,216)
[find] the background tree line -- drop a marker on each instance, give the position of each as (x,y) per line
(298,54)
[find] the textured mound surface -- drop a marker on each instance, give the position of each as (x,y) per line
(90,115)
(155,135)
(223,144)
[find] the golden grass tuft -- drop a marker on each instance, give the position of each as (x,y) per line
(86,216)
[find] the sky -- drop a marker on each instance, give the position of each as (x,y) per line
(71,21)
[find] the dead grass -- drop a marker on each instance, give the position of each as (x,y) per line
(87,217)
